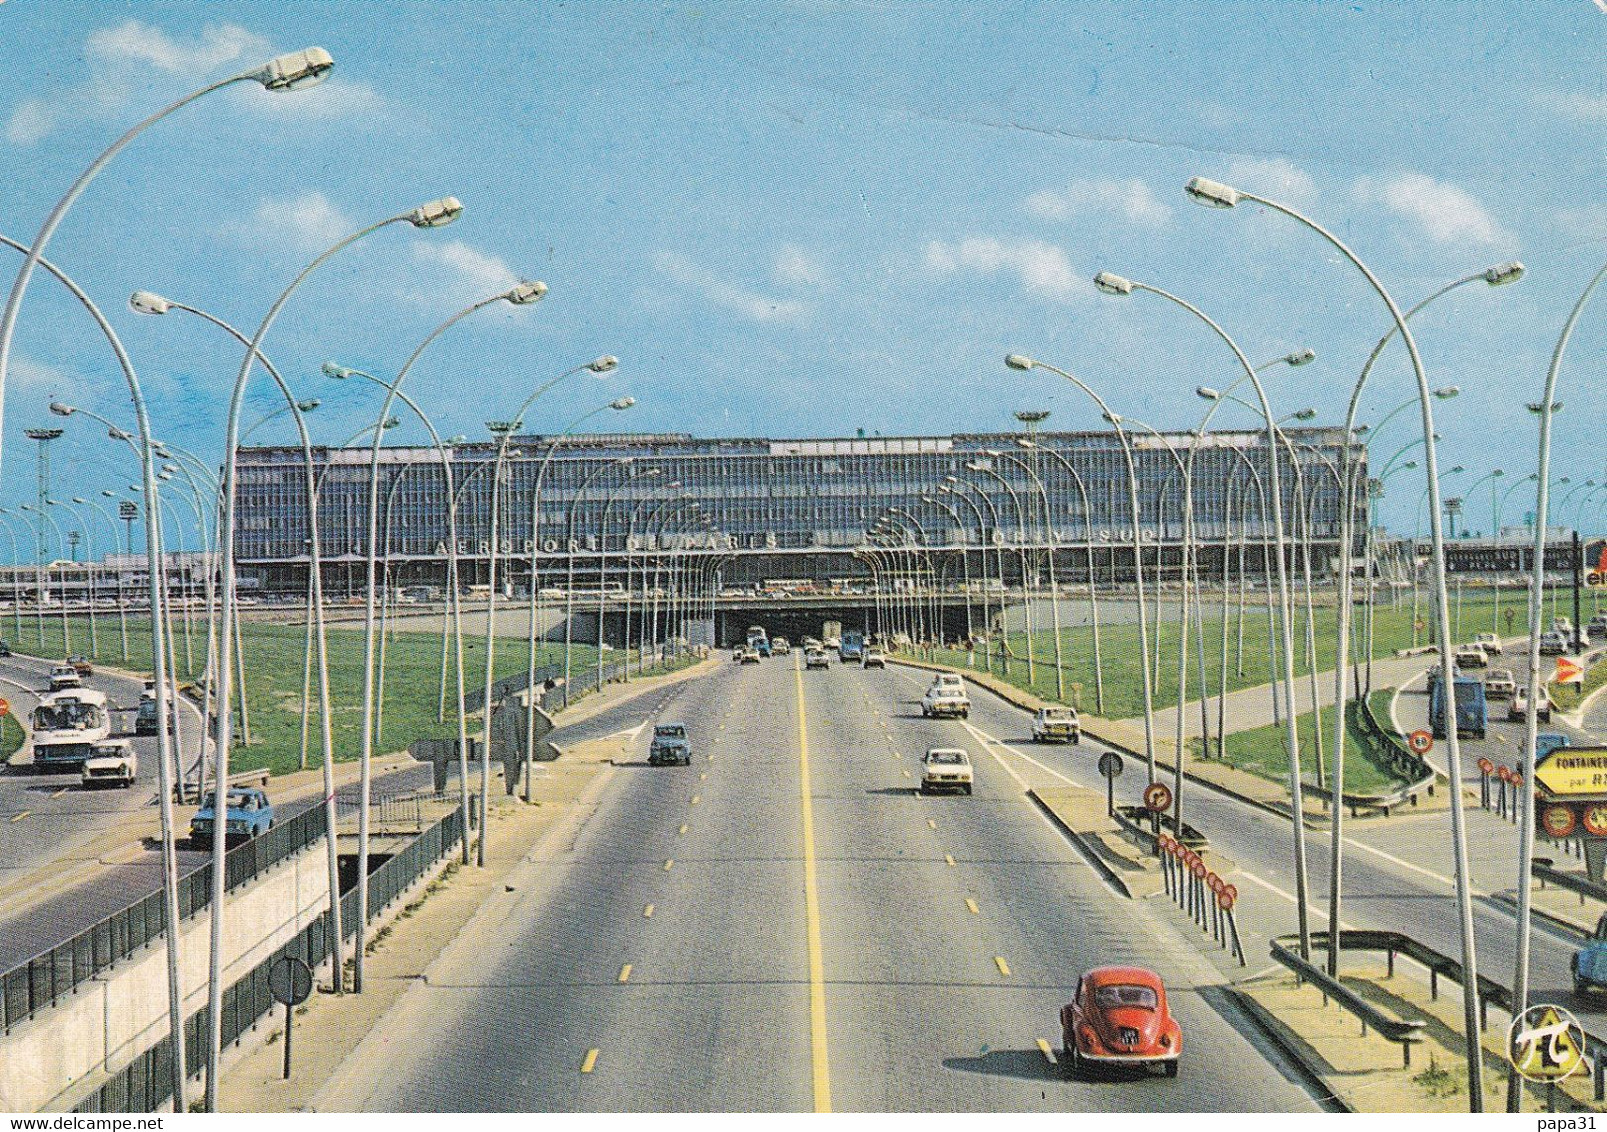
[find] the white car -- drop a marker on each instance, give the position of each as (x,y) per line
(112,763)
(816,658)
(1056,725)
(874,658)
(1489,642)
(1499,684)
(1471,656)
(946,768)
(948,680)
(1519,710)
(943,702)
(65,676)
(1553,643)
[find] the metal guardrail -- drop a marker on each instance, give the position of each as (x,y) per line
(146,1083)
(39,982)
(1546,873)
(1385,746)
(1405,1031)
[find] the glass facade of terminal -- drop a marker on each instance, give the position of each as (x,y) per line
(786,509)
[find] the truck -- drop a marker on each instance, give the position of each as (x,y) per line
(852,647)
(1472,712)
(831,630)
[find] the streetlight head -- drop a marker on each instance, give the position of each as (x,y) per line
(308,405)
(53,503)
(1206,393)
(622,403)
(438,214)
(1537,407)
(1113,418)
(170,468)
(1497,472)
(1458,470)
(1305,414)
(1113,284)
(390,422)
(1213,193)
(108,493)
(525,293)
(1410,464)
(118,434)
(1362,428)
(79,499)
(1019,361)
(604,364)
(1300,357)
(1446,392)
(164,476)
(62,410)
(296,71)
(148,302)
(338,372)
(1504,273)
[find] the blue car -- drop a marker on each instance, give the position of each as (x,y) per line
(670,746)
(249,814)
(1547,741)
(1589,964)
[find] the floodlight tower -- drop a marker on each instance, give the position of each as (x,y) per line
(43,436)
(1032,418)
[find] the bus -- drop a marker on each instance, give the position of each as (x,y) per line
(66,724)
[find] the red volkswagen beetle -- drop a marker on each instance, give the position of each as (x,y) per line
(1119,1017)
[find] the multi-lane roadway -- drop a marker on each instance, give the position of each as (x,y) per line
(787,925)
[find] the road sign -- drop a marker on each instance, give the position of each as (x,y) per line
(290,982)
(1110,764)
(1594,817)
(5,707)
(1157,797)
(1420,741)
(1574,771)
(1486,767)
(1504,772)
(1546,1043)
(1569,672)
(1559,821)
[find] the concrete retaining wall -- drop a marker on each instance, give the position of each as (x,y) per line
(123,1011)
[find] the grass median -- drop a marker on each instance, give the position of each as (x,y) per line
(1249,657)
(274,655)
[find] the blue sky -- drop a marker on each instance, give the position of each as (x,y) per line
(806,218)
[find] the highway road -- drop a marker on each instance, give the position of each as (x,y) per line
(44,817)
(787,925)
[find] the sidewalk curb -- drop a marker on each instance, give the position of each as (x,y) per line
(1271,1029)
(1092,855)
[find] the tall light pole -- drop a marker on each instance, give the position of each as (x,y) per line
(111,525)
(1218,195)
(602,568)
(431,215)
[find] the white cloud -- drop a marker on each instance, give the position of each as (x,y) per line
(135,42)
(1586,107)
(748,304)
(794,265)
(1272,177)
(1445,213)
(305,222)
(458,271)
(30,121)
(26,375)
(1131,199)
(1041,267)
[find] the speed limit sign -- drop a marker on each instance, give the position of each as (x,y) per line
(5,707)
(1595,819)
(1422,742)
(1559,821)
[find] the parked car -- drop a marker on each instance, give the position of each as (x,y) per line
(1119,1017)
(248,813)
(1519,711)
(65,676)
(1553,643)
(1489,642)
(750,655)
(1056,725)
(82,666)
(1499,684)
(874,658)
(1471,656)
(111,763)
(670,746)
(945,701)
(946,768)
(816,658)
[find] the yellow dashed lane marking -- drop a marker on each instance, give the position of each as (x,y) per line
(683,829)
(625,973)
(647,913)
(820,1061)
(669,864)
(948,859)
(696,798)
(906,774)
(930,824)
(590,1063)
(704,777)
(1004,968)
(19,817)
(1048,1054)
(59,793)
(971,907)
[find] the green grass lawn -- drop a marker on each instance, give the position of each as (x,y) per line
(274,655)
(11,737)
(1119,647)
(1263,752)
(1566,697)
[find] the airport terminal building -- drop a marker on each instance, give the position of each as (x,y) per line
(762,510)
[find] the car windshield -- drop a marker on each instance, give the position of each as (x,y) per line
(1056,713)
(238,800)
(947,758)
(66,717)
(1126,995)
(673,731)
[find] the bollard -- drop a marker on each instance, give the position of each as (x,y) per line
(1598,1076)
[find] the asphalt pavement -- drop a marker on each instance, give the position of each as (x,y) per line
(786,925)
